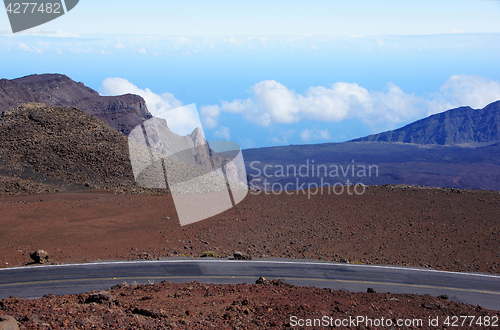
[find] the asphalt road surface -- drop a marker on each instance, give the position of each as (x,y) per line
(36,281)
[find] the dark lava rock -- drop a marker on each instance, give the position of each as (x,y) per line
(242,256)
(99,297)
(40,256)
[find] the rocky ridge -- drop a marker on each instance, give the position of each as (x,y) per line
(122,112)
(460,126)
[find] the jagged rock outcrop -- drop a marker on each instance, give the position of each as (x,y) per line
(43,154)
(462,125)
(122,112)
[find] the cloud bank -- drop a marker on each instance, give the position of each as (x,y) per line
(271,103)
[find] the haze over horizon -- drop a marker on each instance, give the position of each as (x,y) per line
(275,73)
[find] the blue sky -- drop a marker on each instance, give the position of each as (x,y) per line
(265,73)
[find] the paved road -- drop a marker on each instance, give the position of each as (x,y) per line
(35,281)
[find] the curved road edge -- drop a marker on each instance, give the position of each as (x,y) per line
(36,281)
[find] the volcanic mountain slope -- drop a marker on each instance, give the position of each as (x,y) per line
(462,125)
(55,148)
(46,149)
(429,152)
(390,163)
(122,112)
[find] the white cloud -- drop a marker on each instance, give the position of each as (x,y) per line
(32,32)
(273,103)
(183,40)
(453,31)
(463,90)
(142,51)
(223,132)
(283,138)
(57,34)
(247,143)
(315,134)
(182,120)
(210,115)
(119,45)
(313,46)
(62,34)
(23,46)
(31,49)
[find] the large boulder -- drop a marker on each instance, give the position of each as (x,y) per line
(8,323)
(40,256)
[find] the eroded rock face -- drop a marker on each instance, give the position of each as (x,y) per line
(122,112)
(40,256)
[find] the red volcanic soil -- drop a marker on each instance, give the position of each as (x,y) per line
(428,227)
(270,305)
(439,228)
(443,229)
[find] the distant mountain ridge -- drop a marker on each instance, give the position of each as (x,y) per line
(458,126)
(122,112)
(428,152)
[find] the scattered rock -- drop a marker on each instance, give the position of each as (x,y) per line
(99,297)
(8,323)
(443,296)
(241,256)
(344,261)
(153,313)
(62,149)
(232,306)
(278,282)
(40,256)
(371,290)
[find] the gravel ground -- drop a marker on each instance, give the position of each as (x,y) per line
(443,229)
(268,305)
